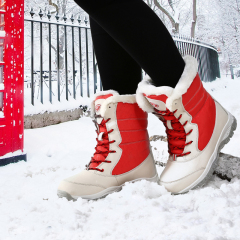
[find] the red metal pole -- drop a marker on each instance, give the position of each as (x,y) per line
(12,116)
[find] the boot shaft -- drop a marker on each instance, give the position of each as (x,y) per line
(201,107)
(192,107)
(124,126)
(197,128)
(122,152)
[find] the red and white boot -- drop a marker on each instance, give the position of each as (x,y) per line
(197,127)
(122,153)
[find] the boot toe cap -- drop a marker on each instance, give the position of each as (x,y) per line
(180,185)
(77,189)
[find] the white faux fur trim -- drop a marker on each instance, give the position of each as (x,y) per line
(114,93)
(102,93)
(116,99)
(113,99)
(145,86)
(188,75)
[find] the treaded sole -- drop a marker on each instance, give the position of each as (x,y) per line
(215,162)
(104,193)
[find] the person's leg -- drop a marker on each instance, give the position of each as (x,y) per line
(118,70)
(139,31)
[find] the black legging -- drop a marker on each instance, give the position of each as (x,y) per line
(127,36)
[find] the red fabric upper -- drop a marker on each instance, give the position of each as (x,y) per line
(161,97)
(161,104)
(200,105)
(103,96)
(132,124)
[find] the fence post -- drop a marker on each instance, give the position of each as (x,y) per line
(231,70)
(12,119)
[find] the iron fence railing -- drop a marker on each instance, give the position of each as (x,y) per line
(60,62)
(207,56)
(74,64)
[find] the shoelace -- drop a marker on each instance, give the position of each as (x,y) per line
(177,135)
(102,148)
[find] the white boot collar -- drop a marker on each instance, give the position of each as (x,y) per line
(113,99)
(185,81)
(145,86)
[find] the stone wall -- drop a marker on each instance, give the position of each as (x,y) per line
(51,118)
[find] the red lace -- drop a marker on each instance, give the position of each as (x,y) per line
(102,148)
(177,135)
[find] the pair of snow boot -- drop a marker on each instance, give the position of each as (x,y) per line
(197,128)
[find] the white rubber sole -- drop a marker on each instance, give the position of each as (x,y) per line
(224,138)
(103,193)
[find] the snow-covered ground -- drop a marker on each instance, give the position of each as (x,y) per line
(31,210)
(71,104)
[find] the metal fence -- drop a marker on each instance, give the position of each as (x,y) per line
(60,62)
(59,58)
(207,56)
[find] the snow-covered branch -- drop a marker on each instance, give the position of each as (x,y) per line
(174,19)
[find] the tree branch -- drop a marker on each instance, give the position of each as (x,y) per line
(171,4)
(175,25)
(194,21)
(54,5)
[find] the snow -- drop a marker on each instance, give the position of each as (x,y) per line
(226,92)
(38,107)
(176,15)
(56,105)
(1,86)
(12,154)
(30,208)
(2,34)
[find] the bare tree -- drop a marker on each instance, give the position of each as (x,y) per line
(59,5)
(174,17)
(194,20)
(151,4)
(54,5)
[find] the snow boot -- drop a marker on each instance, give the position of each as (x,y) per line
(197,128)
(123,151)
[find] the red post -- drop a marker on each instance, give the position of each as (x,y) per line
(11,81)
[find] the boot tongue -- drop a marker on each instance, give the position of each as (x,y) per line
(99,100)
(157,101)
(173,125)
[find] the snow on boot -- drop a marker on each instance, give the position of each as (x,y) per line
(197,128)
(122,153)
